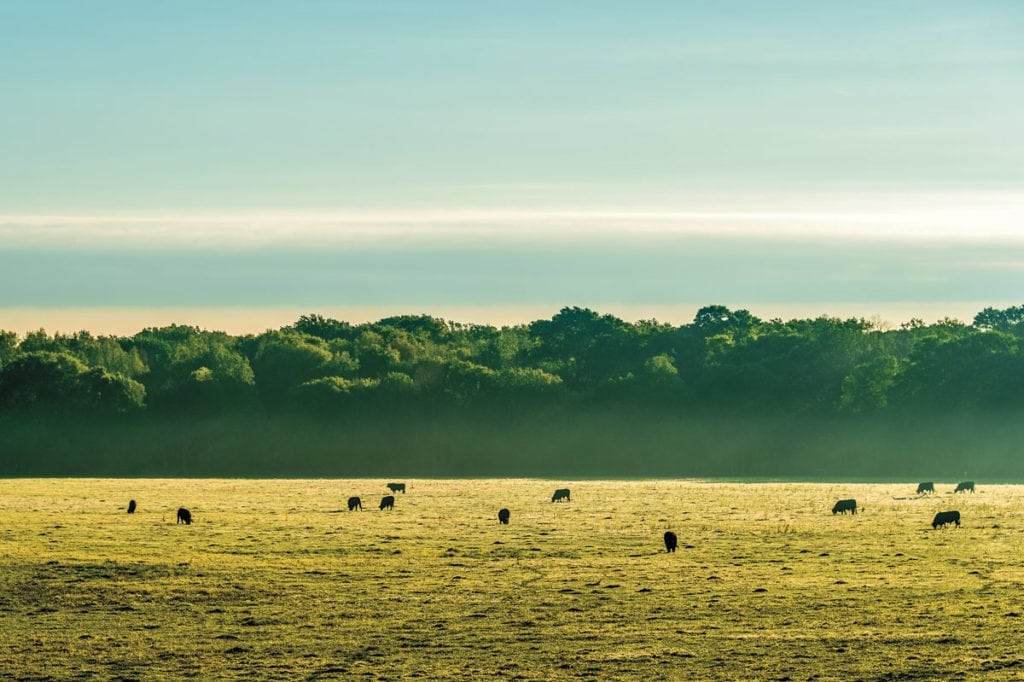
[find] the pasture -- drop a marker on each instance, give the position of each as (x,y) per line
(276,579)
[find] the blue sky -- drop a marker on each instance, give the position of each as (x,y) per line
(505,159)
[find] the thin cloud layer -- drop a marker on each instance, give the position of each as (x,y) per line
(978,216)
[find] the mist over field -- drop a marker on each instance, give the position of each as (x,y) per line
(601,444)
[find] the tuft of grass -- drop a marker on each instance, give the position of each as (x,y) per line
(275,579)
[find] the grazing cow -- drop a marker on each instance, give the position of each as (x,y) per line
(671,541)
(843,506)
(561,494)
(131,506)
(942,518)
(355,503)
(185,516)
(926,487)
(387,502)
(397,487)
(503,515)
(964,486)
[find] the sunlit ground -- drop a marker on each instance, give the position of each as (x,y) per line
(275,579)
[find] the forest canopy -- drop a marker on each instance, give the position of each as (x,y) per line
(580,394)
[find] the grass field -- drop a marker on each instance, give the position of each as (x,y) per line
(276,580)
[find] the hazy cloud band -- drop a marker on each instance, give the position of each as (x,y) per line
(660,270)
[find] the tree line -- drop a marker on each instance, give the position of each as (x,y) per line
(326,396)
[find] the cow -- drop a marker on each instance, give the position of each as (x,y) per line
(926,487)
(185,516)
(964,486)
(397,487)
(355,503)
(387,502)
(942,518)
(503,515)
(843,506)
(131,506)
(561,494)
(671,541)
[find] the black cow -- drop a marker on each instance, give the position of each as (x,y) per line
(942,518)
(503,515)
(843,506)
(355,503)
(131,506)
(387,502)
(926,487)
(561,494)
(671,541)
(185,516)
(397,487)
(964,486)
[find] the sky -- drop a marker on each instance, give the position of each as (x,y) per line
(237,164)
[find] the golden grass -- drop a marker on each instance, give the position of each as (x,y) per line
(275,580)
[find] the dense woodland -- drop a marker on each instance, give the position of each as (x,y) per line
(579,395)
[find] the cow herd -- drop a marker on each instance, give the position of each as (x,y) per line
(928,487)
(941,520)
(387,502)
(184,515)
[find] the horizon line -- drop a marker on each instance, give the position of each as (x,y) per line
(243,319)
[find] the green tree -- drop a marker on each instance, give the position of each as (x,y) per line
(37,340)
(374,355)
(109,392)
(107,352)
(976,370)
(323,327)
(714,320)
(660,369)
(194,370)
(332,393)
(465,381)
(1006,320)
(583,347)
(868,386)
(59,383)
(423,326)
(8,347)
(286,359)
